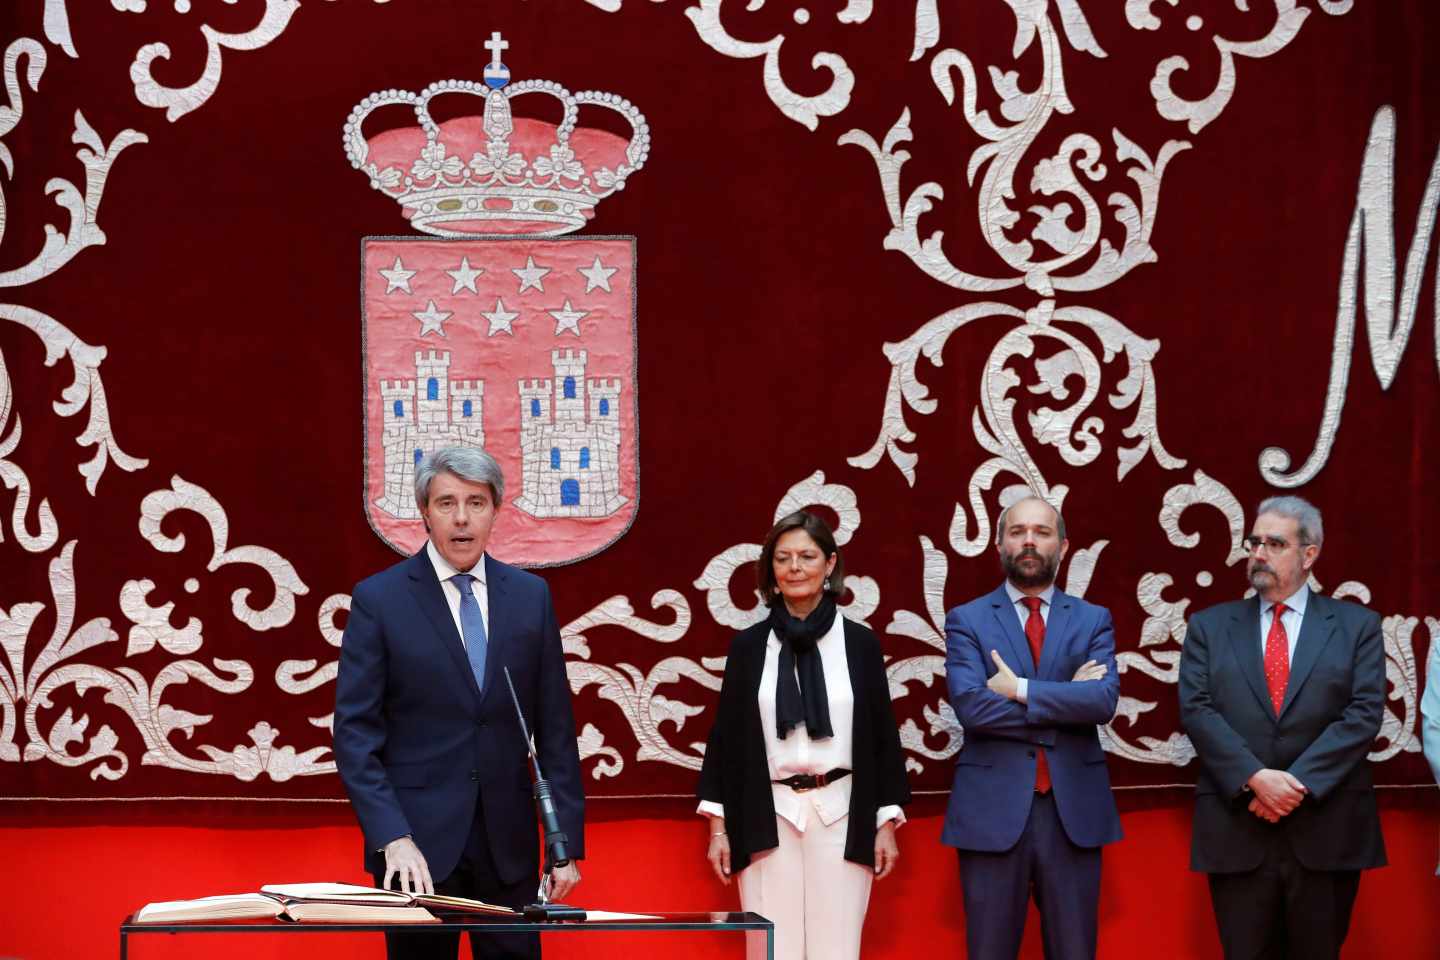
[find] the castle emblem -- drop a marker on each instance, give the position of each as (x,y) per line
(498,331)
(570,442)
(423,415)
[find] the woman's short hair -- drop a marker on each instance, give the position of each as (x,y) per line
(468,463)
(819,531)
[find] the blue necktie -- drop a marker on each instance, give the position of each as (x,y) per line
(472,627)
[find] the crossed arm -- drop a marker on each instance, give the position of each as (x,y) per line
(984,690)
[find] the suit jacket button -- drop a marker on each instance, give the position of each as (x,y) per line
(1030,754)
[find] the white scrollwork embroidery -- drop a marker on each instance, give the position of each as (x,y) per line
(814,491)
(802,109)
(152,624)
(87,389)
(1027,113)
(301,676)
(618,611)
(993,422)
(1199,113)
(184,495)
(125,688)
(57,26)
(245,763)
(48,532)
(84,231)
(179,101)
(1398,732)
(35,58)
(645,709)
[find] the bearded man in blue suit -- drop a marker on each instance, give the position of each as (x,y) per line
(1031,672)
(426,738)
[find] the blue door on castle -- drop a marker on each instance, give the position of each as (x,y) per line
(569,493)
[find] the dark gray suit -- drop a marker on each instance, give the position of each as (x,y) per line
(1327,722)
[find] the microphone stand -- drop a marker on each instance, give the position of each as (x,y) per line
(557,853)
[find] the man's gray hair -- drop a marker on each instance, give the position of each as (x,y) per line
(1005,515)
(1302,511)
(467,463)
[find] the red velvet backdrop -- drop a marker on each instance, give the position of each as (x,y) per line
(893,261)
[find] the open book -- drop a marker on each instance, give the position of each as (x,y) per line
(349,893)
(313,903)
(331,903)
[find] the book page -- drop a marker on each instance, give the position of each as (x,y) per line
(443,902)
(326,911)
(229,906)
(335,892)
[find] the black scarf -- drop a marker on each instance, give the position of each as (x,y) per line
(806,701)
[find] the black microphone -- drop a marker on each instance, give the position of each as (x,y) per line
(557,853)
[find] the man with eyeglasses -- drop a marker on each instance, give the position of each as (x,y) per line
(426,738)
(1282,695)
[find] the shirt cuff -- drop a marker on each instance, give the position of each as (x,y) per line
(1022,690)
(887,813)
(710,808)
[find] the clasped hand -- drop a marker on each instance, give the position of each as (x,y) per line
(1277,794)
(1005,683)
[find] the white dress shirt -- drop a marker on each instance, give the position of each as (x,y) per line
(1294,616)
(1022,685)
(798,753)
(444,571)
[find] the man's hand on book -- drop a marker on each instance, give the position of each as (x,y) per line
(563,880)
(405,862)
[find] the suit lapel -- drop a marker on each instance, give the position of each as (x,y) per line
(1059,630)
(1018,655)
(498,629)
(1316,629)
(430,597)
(1245,640)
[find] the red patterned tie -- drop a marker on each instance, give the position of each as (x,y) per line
(1277,658)
(1035,633)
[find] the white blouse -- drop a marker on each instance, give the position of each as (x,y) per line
(798,753)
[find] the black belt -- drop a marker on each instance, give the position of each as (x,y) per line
(801,782)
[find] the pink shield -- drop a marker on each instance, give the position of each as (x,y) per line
(523,347)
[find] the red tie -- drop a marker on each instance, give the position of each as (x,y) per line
(1277,658)
(1035,633)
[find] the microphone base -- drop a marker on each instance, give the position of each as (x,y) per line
(545,912)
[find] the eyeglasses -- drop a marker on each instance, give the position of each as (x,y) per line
(1271,544)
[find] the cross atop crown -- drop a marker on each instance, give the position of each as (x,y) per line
(496,73)
(495,45)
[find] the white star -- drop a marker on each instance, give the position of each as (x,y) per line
(397,277)
(431,320)
(500,319)
(464,276)
(568,319)
(530,275)
(597,275)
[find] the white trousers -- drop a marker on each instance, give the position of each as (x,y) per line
(815,896)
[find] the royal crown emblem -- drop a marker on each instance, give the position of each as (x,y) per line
(497,173)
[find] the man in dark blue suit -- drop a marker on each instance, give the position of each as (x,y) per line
(1031,672)
(1282,696)
(426,738)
